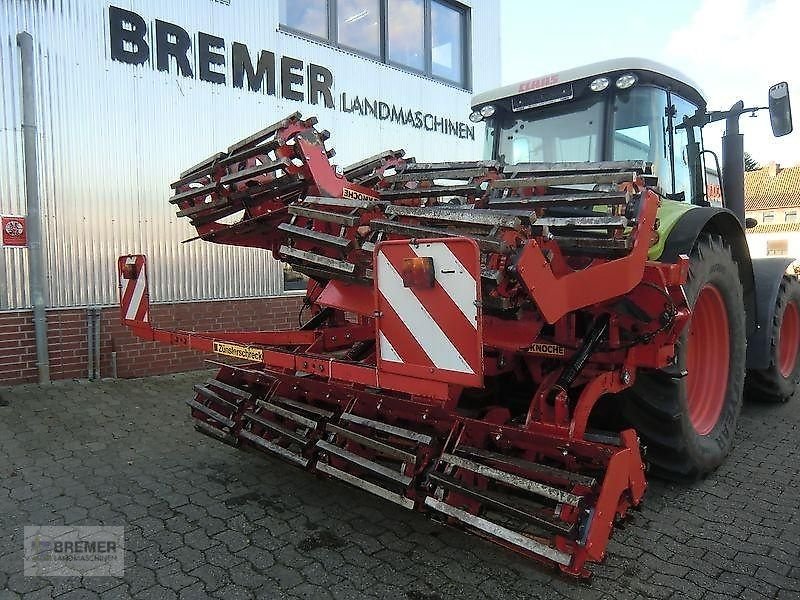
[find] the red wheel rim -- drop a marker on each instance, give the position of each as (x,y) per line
(789,339)
(707,359)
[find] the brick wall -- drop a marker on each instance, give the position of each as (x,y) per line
(67,341)
(17,350)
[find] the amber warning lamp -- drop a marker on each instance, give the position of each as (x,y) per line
(418,272)
(129,271)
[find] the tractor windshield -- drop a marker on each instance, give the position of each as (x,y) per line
(634,127)
(556,133)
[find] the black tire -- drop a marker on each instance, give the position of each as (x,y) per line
(658,405)
(771,384)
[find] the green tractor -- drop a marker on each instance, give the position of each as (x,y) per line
(744,336)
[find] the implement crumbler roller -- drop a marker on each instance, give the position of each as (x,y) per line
(466,319)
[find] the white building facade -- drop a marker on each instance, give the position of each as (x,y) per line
(131,92)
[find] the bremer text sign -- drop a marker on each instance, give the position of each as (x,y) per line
(166,46)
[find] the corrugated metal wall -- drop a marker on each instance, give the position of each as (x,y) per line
(113,136)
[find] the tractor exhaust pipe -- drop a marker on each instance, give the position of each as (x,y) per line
(733,162)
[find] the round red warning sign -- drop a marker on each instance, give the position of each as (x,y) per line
(14,231)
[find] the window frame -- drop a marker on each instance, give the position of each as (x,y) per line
(301,33)
(383,9)
(333,31)
(426,44)
(466,47)
(609,126)
(693,196)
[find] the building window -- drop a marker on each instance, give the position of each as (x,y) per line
(292,280)
(790,216)
(447,36)
(359,25)
(308,16)
(425,36)
(406,20)
(769,217)
(777,247)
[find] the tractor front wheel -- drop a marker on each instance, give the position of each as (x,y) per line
(779,381)
(687,422)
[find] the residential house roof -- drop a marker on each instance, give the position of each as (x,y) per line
(772,187)
(775,228)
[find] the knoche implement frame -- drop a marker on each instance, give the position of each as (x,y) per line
(456,352)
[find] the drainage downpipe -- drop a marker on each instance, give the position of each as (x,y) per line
(93,315)
(90,370)
(97,315)
(34,220)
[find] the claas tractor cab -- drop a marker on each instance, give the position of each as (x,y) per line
(744,333)
(624,109)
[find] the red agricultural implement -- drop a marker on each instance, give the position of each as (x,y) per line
(481,335)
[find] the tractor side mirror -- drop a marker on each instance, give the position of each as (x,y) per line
(780,110)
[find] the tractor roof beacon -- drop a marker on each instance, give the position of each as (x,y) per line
(488,341)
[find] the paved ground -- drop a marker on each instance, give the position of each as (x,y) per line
(204,520)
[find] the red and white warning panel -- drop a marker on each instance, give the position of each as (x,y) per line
(428,315)
(134,299)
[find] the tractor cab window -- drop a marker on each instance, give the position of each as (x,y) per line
(639,129)
(557,133)
(687,143)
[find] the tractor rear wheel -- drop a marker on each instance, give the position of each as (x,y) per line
(779,381)
(687,422)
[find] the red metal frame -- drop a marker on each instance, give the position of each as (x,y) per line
(557,295)
(561,303)
(276,356)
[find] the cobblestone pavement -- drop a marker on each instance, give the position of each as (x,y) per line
(205,520)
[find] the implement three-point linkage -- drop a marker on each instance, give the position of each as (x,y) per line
(466,319)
